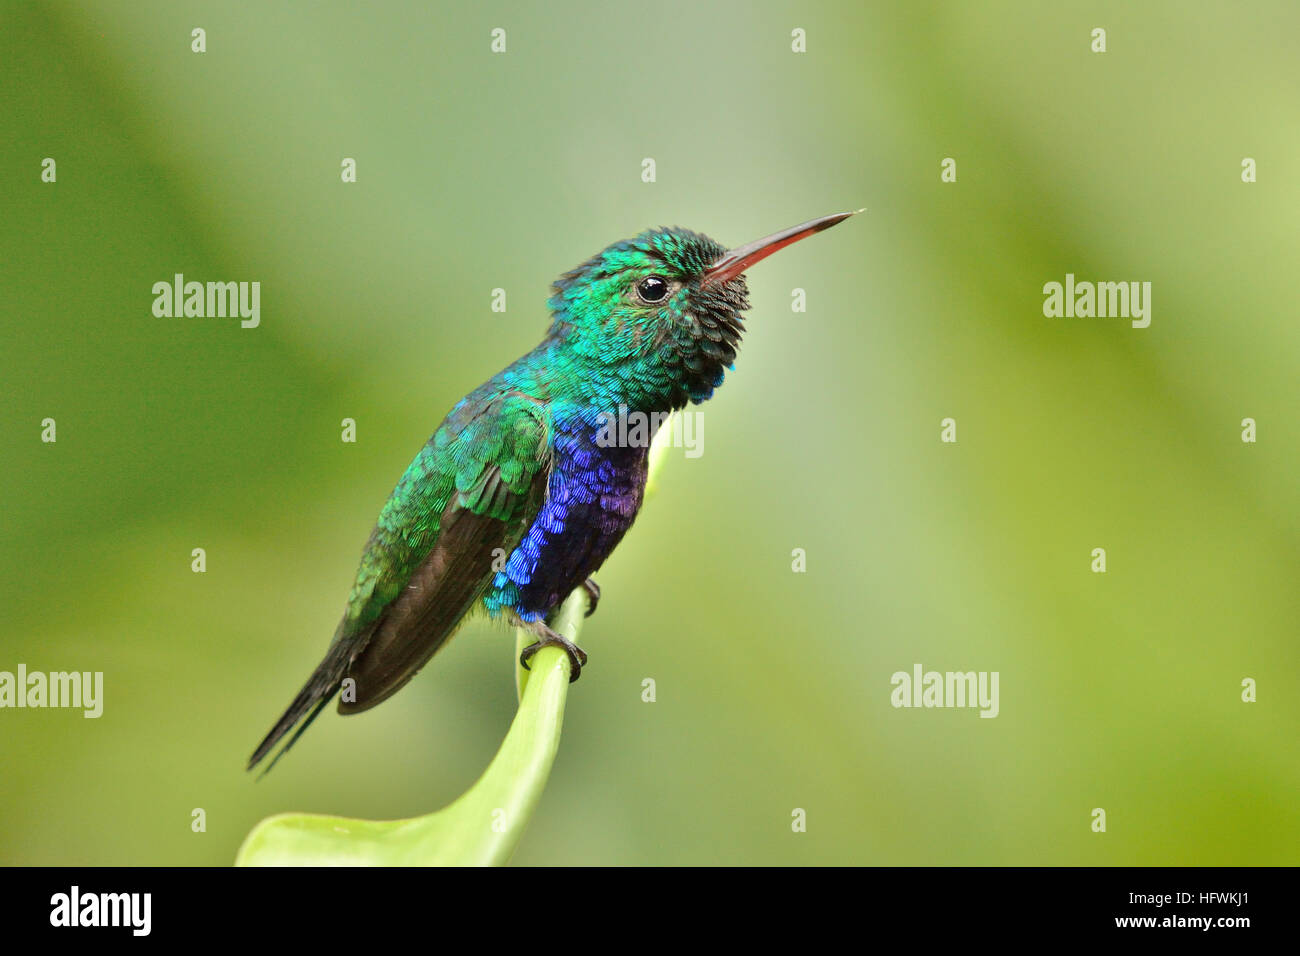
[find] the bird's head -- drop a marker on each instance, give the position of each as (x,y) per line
(665,307)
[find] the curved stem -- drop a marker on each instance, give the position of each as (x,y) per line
(481,827)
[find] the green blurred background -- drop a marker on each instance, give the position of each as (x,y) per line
(479,171)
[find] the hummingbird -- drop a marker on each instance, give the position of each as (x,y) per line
(519,496)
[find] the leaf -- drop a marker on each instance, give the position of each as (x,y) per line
(483,826)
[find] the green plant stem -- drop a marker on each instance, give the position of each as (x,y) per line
(483,826)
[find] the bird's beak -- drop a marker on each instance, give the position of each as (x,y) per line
(732,263)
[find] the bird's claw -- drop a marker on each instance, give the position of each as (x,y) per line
(593,595)
(577,656)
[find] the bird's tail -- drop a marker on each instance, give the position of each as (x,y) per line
(319,690)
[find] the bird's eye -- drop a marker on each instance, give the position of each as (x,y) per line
(652,289)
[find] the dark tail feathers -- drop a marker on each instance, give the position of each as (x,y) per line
(319,690)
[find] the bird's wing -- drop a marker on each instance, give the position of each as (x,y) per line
(463,503)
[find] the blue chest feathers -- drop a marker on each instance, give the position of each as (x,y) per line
(593,495)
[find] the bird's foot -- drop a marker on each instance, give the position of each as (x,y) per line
(549,638)
(593,595)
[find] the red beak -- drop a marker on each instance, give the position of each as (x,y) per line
(733,263)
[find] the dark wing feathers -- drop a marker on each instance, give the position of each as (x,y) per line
(406,604)
(440,593)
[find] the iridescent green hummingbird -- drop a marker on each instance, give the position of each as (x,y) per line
(523,469)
